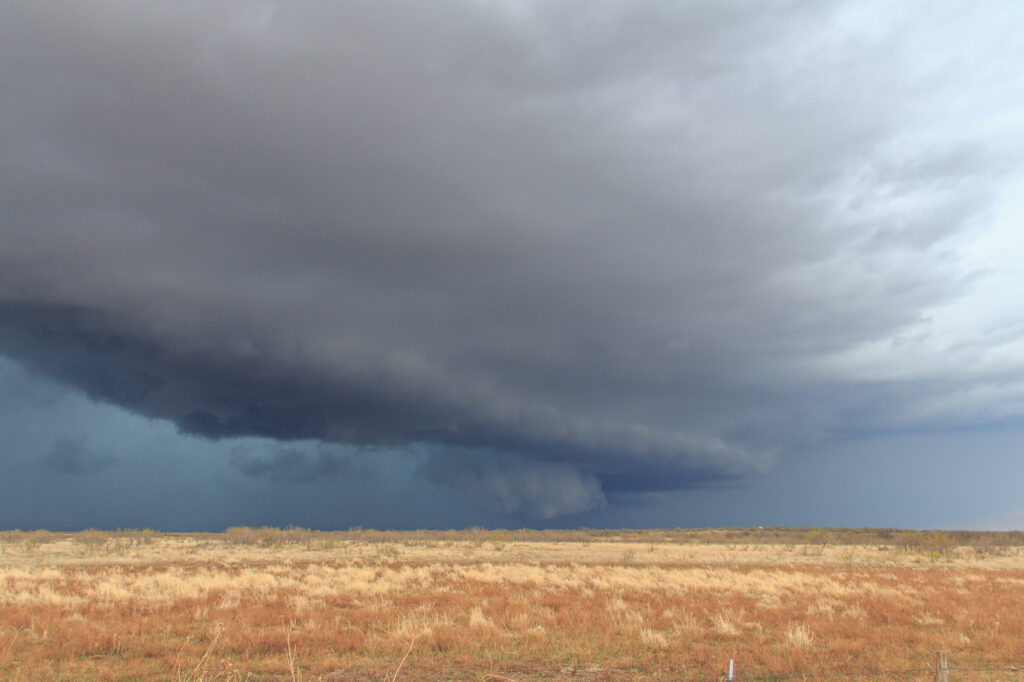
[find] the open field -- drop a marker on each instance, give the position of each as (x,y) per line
(476,604)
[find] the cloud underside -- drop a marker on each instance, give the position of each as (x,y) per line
(625,257)
(220,396)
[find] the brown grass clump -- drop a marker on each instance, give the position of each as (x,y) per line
(298,604)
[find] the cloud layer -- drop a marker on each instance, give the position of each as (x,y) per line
(626,246)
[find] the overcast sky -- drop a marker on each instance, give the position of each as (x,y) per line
(403,264)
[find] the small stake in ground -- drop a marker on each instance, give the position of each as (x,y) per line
(942,671)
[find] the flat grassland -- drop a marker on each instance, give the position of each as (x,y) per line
(252,604)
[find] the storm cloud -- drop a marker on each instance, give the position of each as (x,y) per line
(75,458)
(510,484)
(607,247)
(290,464)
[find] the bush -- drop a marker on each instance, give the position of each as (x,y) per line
(94,539)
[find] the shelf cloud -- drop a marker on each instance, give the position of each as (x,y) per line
(590,248)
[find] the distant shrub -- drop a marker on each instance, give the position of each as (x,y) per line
(124,539)
(94,539)
(268,536)
(497,541)
(240,535)
(8,537)
(36,538)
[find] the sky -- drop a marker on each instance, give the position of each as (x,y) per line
(511,263)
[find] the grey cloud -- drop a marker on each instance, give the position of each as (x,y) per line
(72,457)
(612,238)
(290,464)
(20,390)
(514,485)
(227,395)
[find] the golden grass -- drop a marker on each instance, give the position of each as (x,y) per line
(436,606)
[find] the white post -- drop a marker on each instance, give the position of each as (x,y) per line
(730,668)
(942,673)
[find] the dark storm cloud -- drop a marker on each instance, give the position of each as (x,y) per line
(511,484)
(19,390)
(289,464)
(607,242)
(72,457)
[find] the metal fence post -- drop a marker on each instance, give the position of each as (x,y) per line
(942,671)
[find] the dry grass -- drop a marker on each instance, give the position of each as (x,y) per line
(294,604)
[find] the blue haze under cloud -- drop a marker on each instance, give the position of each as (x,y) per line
(453,263)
